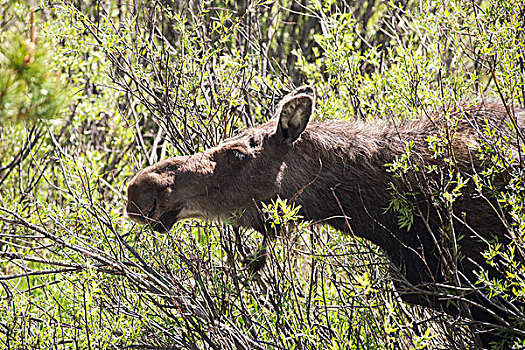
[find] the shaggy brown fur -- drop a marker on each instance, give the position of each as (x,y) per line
(336,172)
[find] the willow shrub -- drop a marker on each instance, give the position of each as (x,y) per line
(153,79)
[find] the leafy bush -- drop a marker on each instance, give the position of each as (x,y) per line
(147,80)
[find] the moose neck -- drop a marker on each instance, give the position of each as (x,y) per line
(336,172)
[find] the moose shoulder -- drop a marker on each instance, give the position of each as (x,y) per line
(336,172)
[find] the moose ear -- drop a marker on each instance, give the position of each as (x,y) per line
(294,112)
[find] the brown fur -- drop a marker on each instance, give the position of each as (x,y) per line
(336,172)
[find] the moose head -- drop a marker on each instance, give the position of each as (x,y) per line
(233,177)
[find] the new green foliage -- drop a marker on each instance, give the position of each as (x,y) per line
(201,70)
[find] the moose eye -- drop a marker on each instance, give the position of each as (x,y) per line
(239,155)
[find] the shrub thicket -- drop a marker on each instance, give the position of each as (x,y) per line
(150,79)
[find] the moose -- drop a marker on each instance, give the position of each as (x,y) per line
(335,171)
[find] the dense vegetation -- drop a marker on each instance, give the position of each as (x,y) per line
(92,91)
